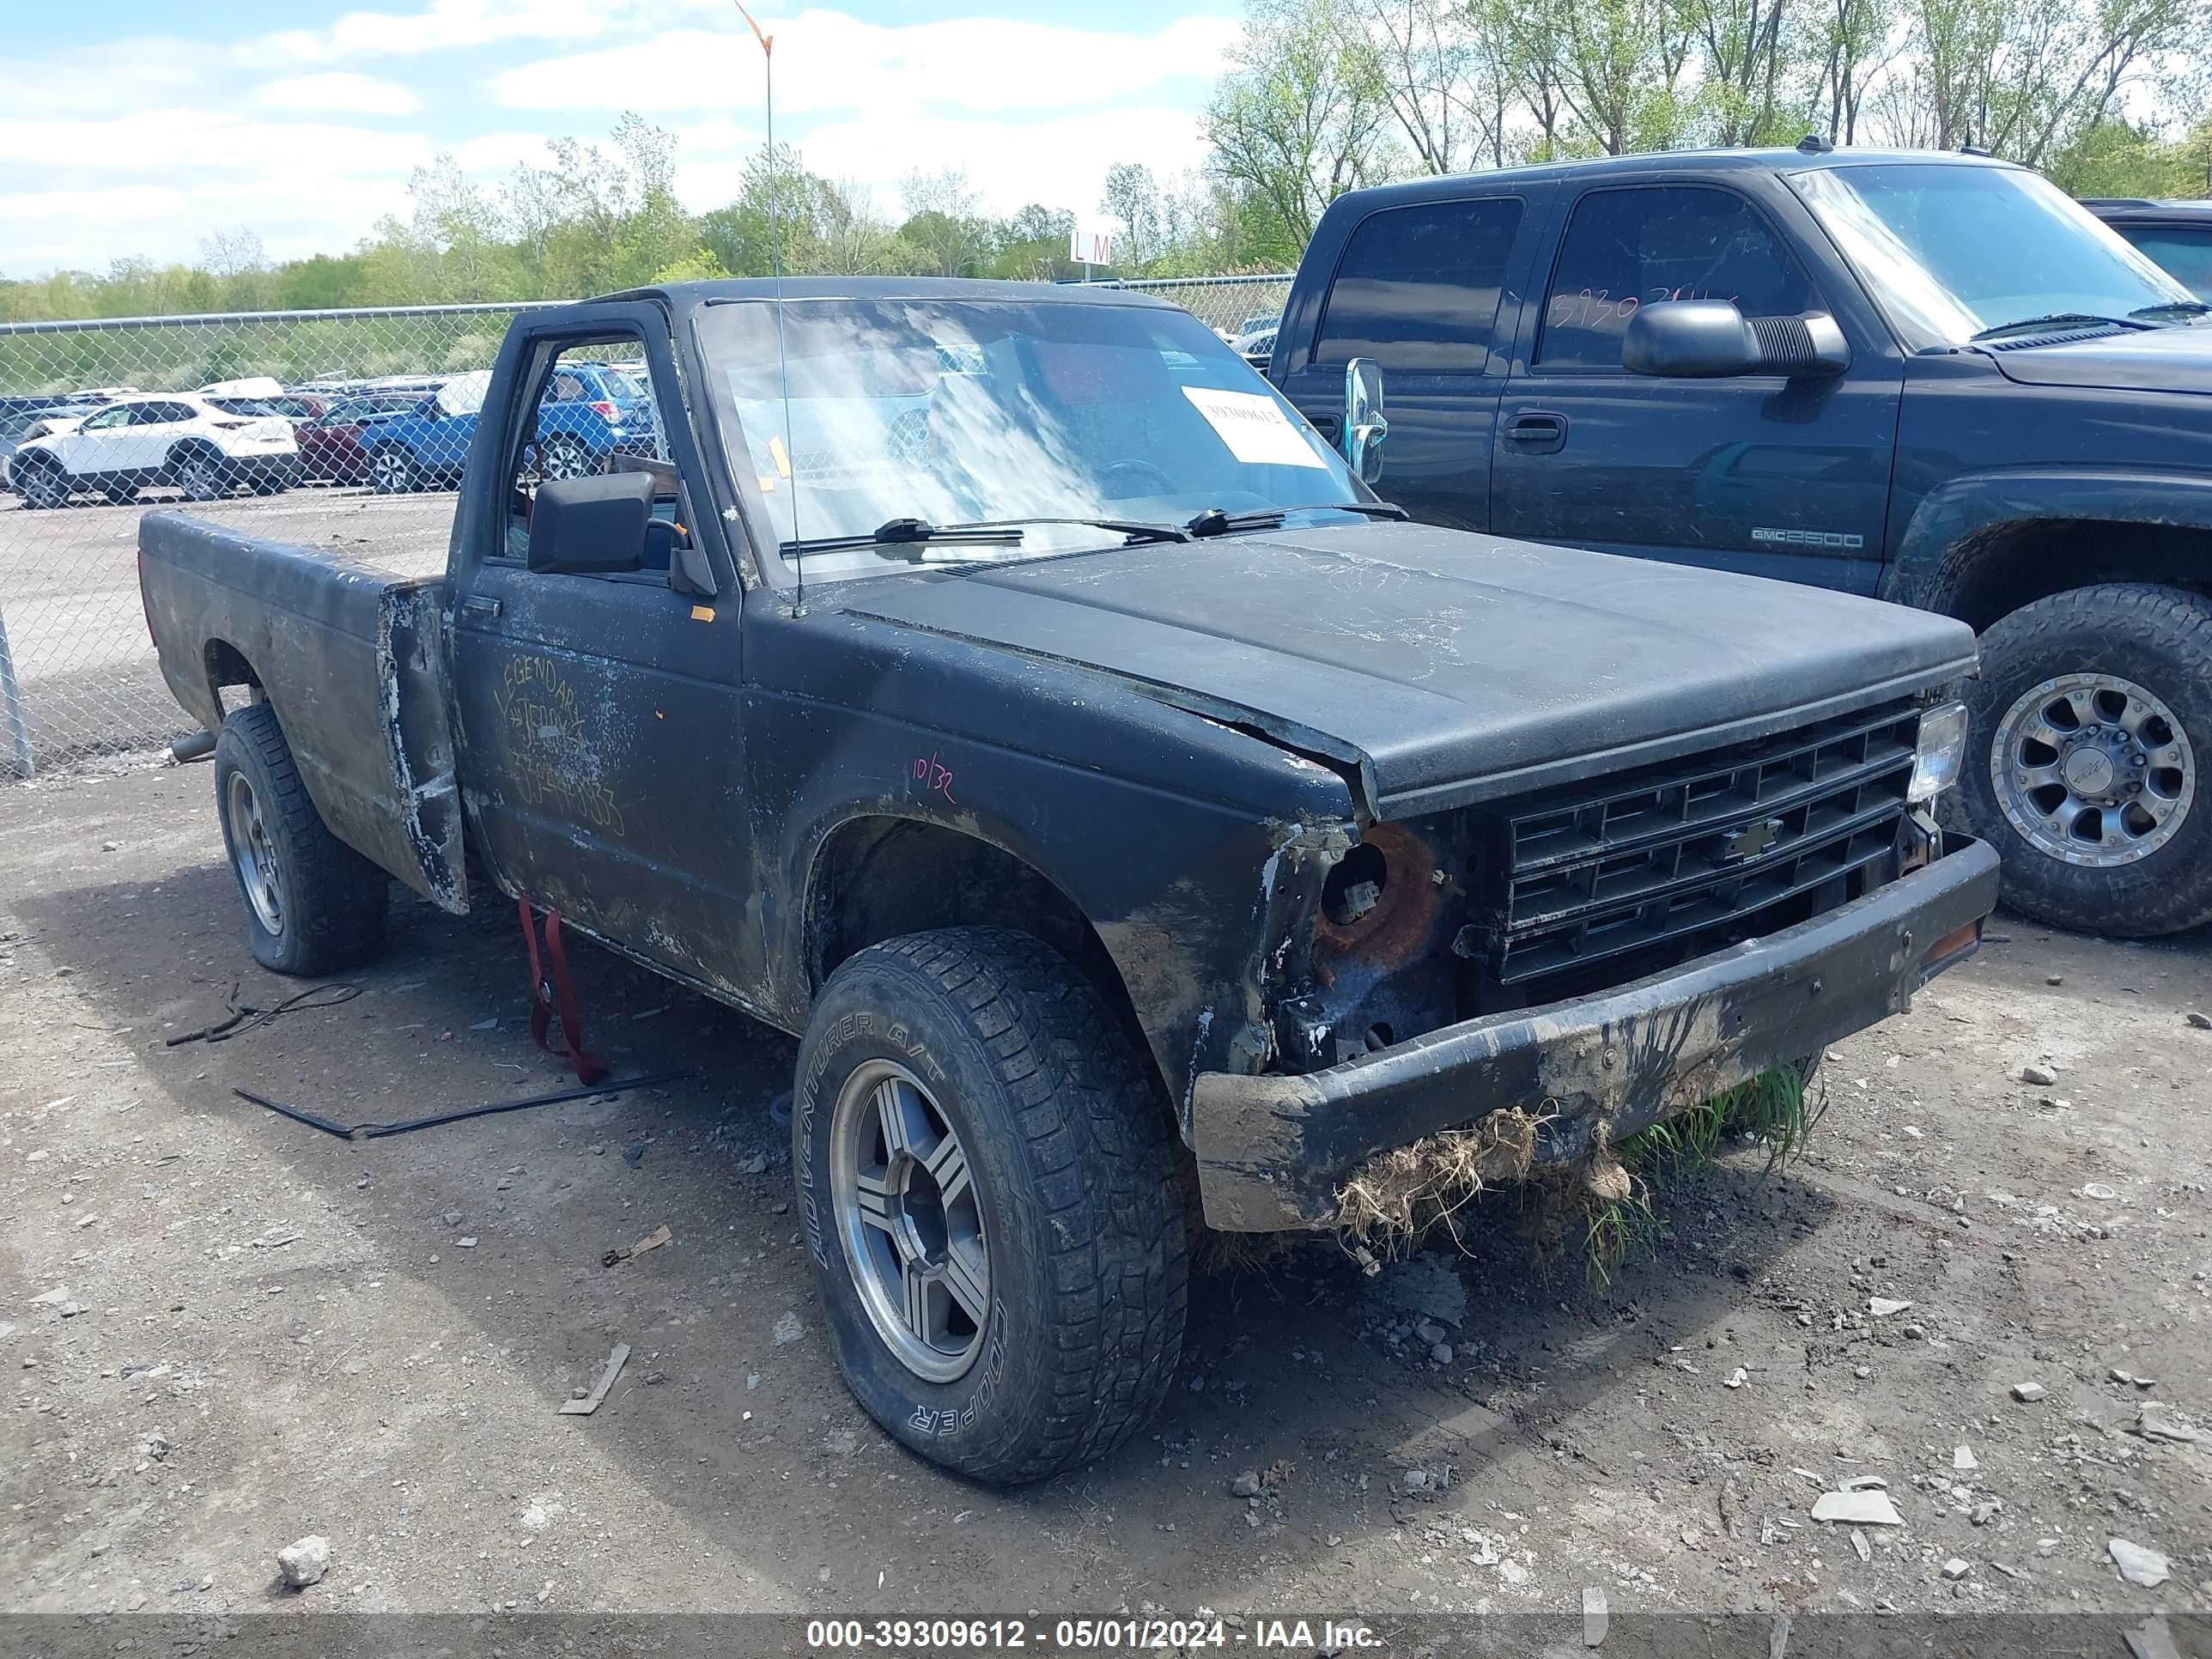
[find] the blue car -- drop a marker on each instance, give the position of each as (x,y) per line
(589,412)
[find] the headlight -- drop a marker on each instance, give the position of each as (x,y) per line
(1940,754)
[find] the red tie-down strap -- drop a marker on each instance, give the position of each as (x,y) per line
(555,994)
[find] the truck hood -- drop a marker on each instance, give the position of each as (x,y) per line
(1445,667)
(2148,360)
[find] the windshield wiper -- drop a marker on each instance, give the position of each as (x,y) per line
(1216,522)
(1136,530)
(903,533)
(2055,319)
(2173,309)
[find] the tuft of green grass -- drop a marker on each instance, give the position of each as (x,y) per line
(1615,1227)
(1775,1109)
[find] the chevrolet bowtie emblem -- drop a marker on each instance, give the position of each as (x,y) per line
(1750,841)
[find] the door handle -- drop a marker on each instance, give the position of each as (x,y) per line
(1537,432)
(479,605)
(1328,425)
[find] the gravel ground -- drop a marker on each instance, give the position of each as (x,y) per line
(223,1331)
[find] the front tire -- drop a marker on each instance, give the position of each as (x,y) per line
(312,904)
(42,484)
(2092,729)
(992,1203)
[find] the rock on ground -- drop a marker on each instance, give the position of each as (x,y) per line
(305,1562)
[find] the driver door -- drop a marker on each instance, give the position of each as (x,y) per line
(598,713)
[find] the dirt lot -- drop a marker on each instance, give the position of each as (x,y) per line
(223,1331)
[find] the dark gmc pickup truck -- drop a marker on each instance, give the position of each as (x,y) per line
(1930,377)
(1129,804)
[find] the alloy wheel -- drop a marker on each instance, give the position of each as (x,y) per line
(910,1219)
(2093,770)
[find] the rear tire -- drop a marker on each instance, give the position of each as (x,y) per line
(203,475)
(1061,1215)
(391,472)
(312,904)
(564,458)
(2118,678)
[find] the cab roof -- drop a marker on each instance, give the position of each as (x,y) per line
(1776,161)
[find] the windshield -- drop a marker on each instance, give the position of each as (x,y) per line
(1950,251)
(961,412)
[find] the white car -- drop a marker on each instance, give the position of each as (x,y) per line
(178,439)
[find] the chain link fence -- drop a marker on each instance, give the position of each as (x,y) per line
(78,671)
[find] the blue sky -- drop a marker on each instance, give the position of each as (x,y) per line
(137,128)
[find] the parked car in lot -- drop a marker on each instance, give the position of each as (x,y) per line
(18,425)
(1140,821)
(330,444)
(2176,235)
(175,439)
(1928,377)
(589,411)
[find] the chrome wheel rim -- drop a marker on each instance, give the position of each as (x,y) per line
(253,855)
(566,461)
(45,486)
(390,471)
(910,1217)
(200,481)
(2093,770)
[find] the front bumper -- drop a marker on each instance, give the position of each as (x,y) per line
(1273,1152)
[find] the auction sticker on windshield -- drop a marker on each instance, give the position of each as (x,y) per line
(1255,428)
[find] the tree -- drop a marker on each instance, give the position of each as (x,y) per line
(1303,116)
(943,223)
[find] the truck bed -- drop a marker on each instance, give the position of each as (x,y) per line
(343,641)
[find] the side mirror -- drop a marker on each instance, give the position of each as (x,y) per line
(1364,427)
(1710,339)
(591,526)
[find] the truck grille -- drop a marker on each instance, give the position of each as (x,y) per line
(1680,858)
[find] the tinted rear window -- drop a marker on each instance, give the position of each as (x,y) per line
(1417,290)
(1626,248)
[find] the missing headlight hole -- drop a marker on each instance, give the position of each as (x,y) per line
(1355,886)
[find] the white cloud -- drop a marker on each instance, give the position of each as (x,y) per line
(827,60)
(448,25)
(157,142)
(277,132)
(339,93)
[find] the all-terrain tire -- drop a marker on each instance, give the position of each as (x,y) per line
(2157,638)
(1075,1171)
(323,906)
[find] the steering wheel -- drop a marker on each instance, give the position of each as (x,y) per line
(1144,470)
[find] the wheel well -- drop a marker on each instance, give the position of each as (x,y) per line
(881,878)
(226,666)
(1994,571)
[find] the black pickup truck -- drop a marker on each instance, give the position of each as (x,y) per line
(1005,689)
(1928,377)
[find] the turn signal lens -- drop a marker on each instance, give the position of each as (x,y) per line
(1941,753)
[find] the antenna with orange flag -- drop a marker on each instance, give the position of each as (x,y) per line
(776,269)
